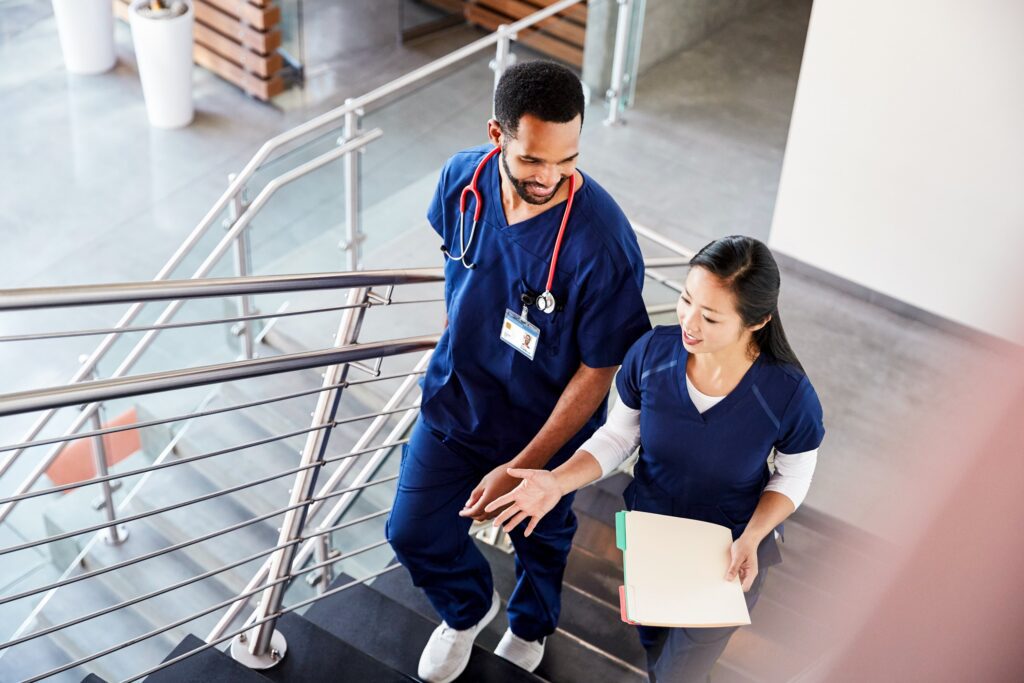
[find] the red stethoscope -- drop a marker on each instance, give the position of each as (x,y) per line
(545,301)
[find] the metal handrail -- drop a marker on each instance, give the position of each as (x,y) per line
(123,387)
(95,332)
(206,413)
(168,290)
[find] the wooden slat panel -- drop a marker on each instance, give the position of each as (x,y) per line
(446,5)
(532,37)
(577,13)
(556,26)
(260,42)
(258,17)
(204,56)
(247,59)
(260,88)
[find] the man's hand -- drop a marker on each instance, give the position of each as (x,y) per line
(496,483)
(743,562)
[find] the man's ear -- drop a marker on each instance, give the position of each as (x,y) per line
(494,133)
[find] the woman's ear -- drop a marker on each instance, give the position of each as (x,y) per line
(761,324)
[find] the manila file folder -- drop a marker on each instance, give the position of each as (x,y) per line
(674,572)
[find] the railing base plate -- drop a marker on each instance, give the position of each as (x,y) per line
(240,652)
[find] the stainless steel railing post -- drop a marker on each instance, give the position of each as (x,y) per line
(114,534)
(353,244)
(264,647)
(323,577)
(619,63)
(243,266)
(503,57)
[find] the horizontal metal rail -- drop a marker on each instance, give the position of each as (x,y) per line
(44,336)
(193,579)
(270,617)
(163,465)
(122,387)
(666,262)
(204,414)
(41,336)
(171,290)
(193,501)
(190,542)
(193,617)
(661,240)
(666,281)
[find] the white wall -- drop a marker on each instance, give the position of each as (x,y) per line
(904,170)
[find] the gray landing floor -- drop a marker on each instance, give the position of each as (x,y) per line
(91,193)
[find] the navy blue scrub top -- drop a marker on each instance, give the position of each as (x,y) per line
(711,466)
(479,390)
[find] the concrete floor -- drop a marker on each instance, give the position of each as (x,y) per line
(92,194)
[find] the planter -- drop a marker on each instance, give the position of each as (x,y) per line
(86,31)
(163,48)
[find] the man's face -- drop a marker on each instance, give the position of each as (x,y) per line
(541,156)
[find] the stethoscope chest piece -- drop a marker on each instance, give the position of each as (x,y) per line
(546,302)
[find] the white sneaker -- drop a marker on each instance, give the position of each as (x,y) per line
(526,654)
(447,652)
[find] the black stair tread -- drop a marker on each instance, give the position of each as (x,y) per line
(316,656)
(395,634)
(593,575)
(209,666)
(596,537)
(584,617)
(565,658)
(614,484)
(598,503)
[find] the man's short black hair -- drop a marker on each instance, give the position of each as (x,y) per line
(543,89)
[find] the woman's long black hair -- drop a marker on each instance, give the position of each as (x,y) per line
(746,266)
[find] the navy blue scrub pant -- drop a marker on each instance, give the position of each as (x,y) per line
(429,538)
(687,655)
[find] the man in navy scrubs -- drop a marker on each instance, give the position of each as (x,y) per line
(543,297)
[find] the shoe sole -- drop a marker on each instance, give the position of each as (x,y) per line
(481,625)
(529,669)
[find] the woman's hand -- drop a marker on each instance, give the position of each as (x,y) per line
(744,562)
(535,496)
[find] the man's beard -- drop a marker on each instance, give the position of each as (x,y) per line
(521,186)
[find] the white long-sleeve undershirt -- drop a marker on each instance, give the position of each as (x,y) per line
(614,442)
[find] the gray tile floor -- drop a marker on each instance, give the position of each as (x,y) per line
(91,193)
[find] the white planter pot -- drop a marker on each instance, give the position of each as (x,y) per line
(163,48)
(86,31)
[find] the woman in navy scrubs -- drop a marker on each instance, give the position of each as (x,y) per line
(707,401)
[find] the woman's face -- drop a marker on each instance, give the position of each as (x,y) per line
(708,315)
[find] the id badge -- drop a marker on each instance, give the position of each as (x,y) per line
(520,334)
